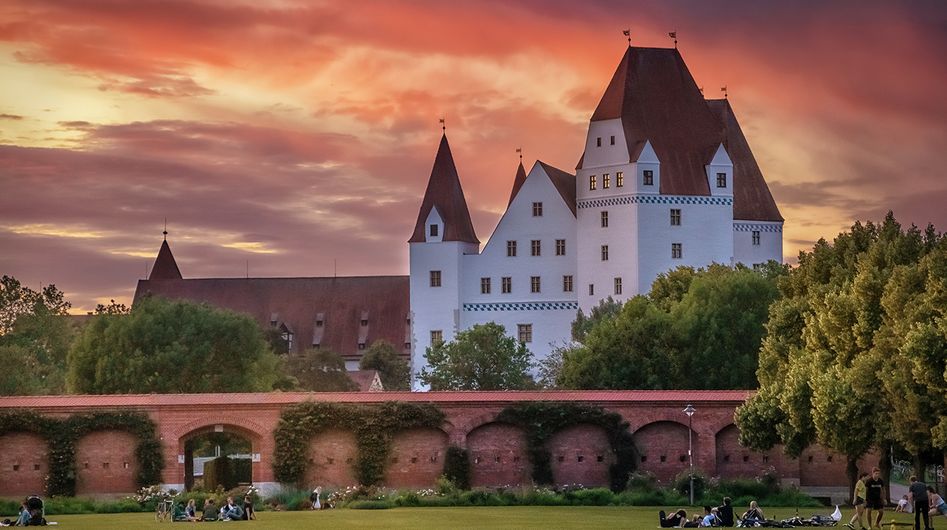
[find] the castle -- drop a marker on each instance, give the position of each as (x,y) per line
(666,178)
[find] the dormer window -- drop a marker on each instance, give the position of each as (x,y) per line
(434,230)
(363,322)
(320,323)
(721,180)
(647,177)
(361,345)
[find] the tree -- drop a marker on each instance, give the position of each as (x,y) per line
(17,300)
(480,358)
(169,346)
(582,324)
(112,308)
(320,370)
(392,368)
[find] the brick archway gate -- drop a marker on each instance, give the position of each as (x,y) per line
(243,428)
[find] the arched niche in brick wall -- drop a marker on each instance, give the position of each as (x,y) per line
(106,462)
(331,459)
(237,426)
(416,459)
(735,461)
(581,454)
(662,448)
(498,455)
(24,464)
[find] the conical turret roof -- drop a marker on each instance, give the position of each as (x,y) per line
(165,268)
(518,181)
(445,193)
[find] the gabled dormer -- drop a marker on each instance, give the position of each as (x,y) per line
(648,169)
(720,174)
(445,195)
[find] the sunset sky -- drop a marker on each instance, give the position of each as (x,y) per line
(288,134)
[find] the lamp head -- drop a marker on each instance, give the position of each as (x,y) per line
(689,410)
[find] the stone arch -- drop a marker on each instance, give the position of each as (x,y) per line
(417,457)
(24,463)
(232,424)
(499,455)
(330,458)
(581,454)
(662,448)
(106,462)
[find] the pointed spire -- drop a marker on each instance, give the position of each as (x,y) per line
(165,268)
(517,181)
(445,193)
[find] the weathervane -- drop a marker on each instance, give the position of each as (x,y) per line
(443,125)
(724,90)
(673,35)
(627,33)
(165,231)
(519,151)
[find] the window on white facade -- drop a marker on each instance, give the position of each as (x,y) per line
(560,247)
(484,285)
(535,247)
(606,181)
(434,230)
(435,278)
(437,337)
(591,289)
(592,182)
(506,285)
(537,209)
(604,218)
(525,332)
(598,142)
(511,249)
(604,252)
(647,177)
(721,180)
(612,140)
(534,284)
(756,237)
(675,217)
(567,283)
(676,251)
(617,285)
(619,179)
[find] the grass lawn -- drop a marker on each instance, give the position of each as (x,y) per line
(546,518)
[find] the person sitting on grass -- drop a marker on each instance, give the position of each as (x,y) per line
(725,512)
(754,513)
(936,502)
(210,511)
(710,517)
(190,511)
(248,513)
(231,511)
(675,520)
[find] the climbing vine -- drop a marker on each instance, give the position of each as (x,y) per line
(61,436)
(541,420)
(373,427)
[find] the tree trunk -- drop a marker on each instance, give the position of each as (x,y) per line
(919,467)
(884,464)
(851,472)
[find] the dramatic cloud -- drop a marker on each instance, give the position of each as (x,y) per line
(286,137)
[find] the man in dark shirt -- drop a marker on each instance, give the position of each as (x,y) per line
(725,512)
(874,496)
(917,492)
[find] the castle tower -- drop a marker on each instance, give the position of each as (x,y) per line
(165,267)
(442,235)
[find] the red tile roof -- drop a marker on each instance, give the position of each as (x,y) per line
(752,199)
(518,181)
(445,193)
(298,303)
(165,268)
(564,182)
(697,397)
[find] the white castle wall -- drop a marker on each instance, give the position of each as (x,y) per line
(769,248)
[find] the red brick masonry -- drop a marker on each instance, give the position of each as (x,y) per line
(580,454)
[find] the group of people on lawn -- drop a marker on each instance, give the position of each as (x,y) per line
(230,511)
(869,496)
(720,516)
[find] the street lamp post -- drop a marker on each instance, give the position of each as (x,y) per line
(690,410)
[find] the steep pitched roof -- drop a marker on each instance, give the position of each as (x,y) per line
(564,182)
(656,98)
(165,268)
(445,193)
(338,304)
(518,181)
(752,199)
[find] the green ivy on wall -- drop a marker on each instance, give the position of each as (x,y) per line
(61,435)
(373,427)
(541,420)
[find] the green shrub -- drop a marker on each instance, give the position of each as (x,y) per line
(681,483)
(642,481)
(370,505)
(457,466)
(592,497)
(290,498)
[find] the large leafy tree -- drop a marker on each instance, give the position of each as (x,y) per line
(320,370)
(169,346)
(480,358)
(392,368)
(17,300)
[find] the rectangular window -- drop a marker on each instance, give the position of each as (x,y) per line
(612,140)
(617,285)
(591,289)
(535,247)
(537,209)
(598,142)
(534,284)
(606,181)
(604,252)
(676,251)
(592,182)
(434,230)
(567,283)
(511,249)
(484,285)
(435,278)
(525,332)
(437,337)
(721,180)
(560,247)
(647,177)
(604,218)
(756,237)
(619,179)
(675,217)
(506,285)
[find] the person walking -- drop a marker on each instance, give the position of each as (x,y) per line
(858,502)
(917,493)
(874,497)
